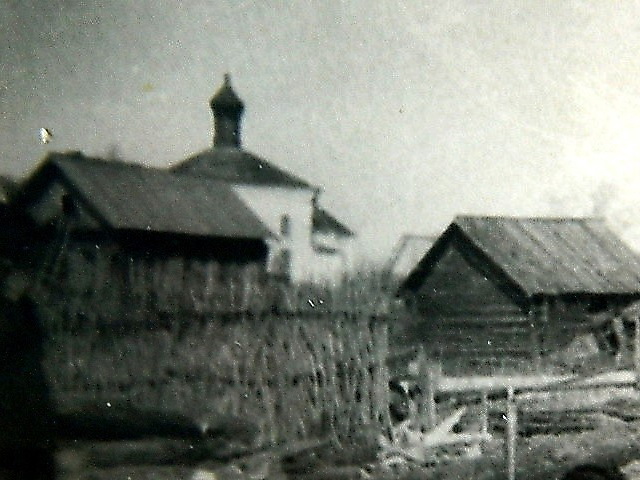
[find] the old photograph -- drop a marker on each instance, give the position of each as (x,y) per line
(308,240)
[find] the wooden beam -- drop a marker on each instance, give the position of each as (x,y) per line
(427,382)
(536,339)
(512,433)
(636,350)
(484,417)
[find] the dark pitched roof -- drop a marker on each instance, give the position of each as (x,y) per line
(544,255)
(132,197)
(229,164)
(324,222)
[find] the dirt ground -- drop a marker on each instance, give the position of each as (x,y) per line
(613,441)
(541,456)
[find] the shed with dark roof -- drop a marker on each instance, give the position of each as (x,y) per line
(184,231)
(494,288)
(131,198)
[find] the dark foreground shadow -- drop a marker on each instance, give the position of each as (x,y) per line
(594,472)
(26,410)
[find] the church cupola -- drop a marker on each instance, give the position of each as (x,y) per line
(227,113)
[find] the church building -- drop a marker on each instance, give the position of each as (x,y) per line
(308,243)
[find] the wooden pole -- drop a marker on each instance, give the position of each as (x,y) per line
(432,414)
(484,416)
(536,338)
(512,433)
(542,327)
(636,350)
(422,386)
(426,381)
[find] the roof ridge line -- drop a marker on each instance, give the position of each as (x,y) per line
(534,217)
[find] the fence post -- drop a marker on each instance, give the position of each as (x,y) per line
(536,339)
(484,416)
(636,350)
(512,433)
(427,383)
(432,387)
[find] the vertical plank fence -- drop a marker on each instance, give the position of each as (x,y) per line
(204,338)
(296,377)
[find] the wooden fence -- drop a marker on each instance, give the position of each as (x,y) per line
(193,336)
(514,420)
(295,376)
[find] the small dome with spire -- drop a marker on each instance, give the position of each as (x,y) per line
(227,111)
(225,98)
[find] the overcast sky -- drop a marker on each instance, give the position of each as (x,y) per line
(405,115)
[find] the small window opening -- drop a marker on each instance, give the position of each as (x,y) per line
(285,225)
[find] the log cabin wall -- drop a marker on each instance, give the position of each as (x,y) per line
(467,321)
(501,287)
(564,317)
(561,319)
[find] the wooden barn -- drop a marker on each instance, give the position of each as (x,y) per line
(513,290)
(137,231)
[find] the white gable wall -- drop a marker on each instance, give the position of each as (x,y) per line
(332,265)
(270,204)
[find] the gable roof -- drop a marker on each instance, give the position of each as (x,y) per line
(543,256)
(324,222)
(407,253)
(235,165)
(132,197)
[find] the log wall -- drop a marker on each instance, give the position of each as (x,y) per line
(470,322)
